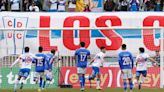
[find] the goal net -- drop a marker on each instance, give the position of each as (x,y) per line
(66,41)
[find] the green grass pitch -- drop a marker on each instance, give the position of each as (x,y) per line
(87,90)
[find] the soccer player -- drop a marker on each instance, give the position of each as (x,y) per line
(40,68)
(97,62)
(81,56)
(50,59)
(141,64)
(126,62)
(26,63)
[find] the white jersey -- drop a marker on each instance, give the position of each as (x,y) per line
(61,6)
(53,4)
(142,61)
(26,60)
(15,4)
(98,59)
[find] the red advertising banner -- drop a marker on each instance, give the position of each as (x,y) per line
(110,77)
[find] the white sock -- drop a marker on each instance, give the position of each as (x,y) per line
(143,79)
(16,83)
(98,83)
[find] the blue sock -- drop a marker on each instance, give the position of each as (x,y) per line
(131,85)
(125,86)
(40,83)
(81,81)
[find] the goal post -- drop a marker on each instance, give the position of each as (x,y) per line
(54,38)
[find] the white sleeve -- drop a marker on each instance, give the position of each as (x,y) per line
(36,8)
(30,8)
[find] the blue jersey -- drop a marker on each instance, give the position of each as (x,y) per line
(81,57)
(40,64)
(125,60)
(49,64)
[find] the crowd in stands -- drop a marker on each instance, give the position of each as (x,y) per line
(81,5)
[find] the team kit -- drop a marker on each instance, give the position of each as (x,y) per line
(44,65)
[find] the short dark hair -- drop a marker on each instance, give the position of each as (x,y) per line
(101,48)
(123,46)
(141,49)
(40,48)
(26,49)
(82,44)
(53,51)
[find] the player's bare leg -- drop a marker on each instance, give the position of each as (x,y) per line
(23,81)
(98,82)
(16,83)
(139,82)
(142,81)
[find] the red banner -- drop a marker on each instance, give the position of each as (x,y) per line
(110,77)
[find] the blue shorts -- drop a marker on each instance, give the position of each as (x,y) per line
(24,72)
(95,71)
(144,73)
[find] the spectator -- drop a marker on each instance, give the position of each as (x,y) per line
(134,5)
(79,5)
(39,3)
(149,5)
(87,8)
(46,5)
(71,5)
(96,5)
(158,5)
(15,5)
(62,5)
(109,5)
(53,5)
(34,7)
(123,5)
(3,5)
(26,5)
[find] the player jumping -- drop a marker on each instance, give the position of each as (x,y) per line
(126,62)
(26,63)
(97,62)
(40,68)
(141,63)
(81,56)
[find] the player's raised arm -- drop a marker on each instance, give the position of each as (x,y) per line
(92,60)
(152,60)
(15,62)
